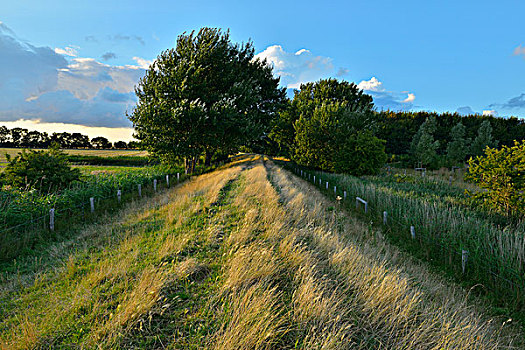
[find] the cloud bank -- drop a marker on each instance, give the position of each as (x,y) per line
(53,85)
(296,68)
(384,99)
(303,66)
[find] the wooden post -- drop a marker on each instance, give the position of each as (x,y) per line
(155,185)
(413,232)
(384,217)
(52,219)
(92,203)
(344,195)
(464,258)
(119,195)
(140,190)
(168,180)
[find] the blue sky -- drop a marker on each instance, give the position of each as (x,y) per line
(73,64)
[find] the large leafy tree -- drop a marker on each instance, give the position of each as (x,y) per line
(205,95)
(311,96)
(335,128)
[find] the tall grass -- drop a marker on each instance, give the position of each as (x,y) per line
(24,215)
(496,254)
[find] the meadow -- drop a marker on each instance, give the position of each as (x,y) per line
(80,152)
(434,221)
(248,256)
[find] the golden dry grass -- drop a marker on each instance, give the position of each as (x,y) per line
(295,272)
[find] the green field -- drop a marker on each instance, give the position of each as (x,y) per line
(249,256)
(86,152)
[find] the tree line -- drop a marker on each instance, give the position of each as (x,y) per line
(208,97)
(323,120)
(23,138)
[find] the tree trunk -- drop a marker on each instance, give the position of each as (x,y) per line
(194,162)
(208,157)
(187,165)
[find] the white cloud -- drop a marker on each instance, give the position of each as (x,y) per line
(297,68)
(143,63)
(519,51)
(410,98)
(68,51)
(492,112)
(39,83)
(371,85)
(384,99)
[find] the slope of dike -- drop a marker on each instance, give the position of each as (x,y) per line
(246,257)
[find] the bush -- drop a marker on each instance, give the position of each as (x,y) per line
(501,173)
(360,154)
(45,171)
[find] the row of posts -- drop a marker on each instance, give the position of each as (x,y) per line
(358,201)
(119,198)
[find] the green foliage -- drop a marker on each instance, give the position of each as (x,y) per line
(361,154)
(206,94)
(334,129)
(501,173)
(116,160)
(483,140)
(457,148)
(45,171)
(423,146)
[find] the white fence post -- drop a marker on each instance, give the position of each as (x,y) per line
(178,177)
(320,181)
(168,180)
(413,232)
(52,219)
(326,184)
(140,189)
(384,217)
(155,185)
(314,180)
(335,189)
(344,195)
(357,200)
(119,195)
(464,258)
(92,204)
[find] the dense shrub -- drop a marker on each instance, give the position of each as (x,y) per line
(45,171)
(501,173)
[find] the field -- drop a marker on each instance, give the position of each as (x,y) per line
(249,256)
(86,152)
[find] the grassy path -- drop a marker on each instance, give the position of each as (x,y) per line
(247,257)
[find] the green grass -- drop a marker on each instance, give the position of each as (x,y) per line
(444,226)
(80,152)
(246,257)
(24,215)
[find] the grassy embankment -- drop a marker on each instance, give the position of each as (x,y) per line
(445,226)
(245,257)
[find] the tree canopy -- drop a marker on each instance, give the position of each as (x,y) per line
(203,96)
